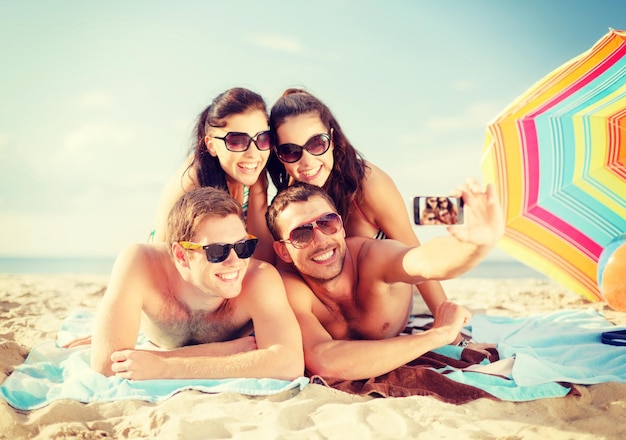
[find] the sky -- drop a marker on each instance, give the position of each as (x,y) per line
(98,100)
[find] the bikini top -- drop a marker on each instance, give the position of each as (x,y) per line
(244,203)
(380,235)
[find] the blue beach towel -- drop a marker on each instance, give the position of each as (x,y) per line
(563,346)
(51,373)
(540,357)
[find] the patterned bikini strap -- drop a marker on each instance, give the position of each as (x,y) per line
(244,204)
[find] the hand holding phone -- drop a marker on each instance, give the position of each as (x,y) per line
(437,210)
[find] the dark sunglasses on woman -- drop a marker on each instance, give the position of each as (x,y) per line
(239,142)
(316,145)
(218,252)
(302,236)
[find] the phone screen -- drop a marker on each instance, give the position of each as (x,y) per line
(437,210)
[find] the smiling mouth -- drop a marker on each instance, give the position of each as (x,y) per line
(311,173)
(322,258)
(249,166)
(230,276)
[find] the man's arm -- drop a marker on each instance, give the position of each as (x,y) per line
(393,218)
(450,256)
(361,359)
(118,317)
(278,352)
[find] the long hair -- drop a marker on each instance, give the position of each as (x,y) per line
(232,102)
(346,177)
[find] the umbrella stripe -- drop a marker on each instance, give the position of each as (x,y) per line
(557,156)
(568,74)
(550,249)
(501,179)
(551,263)
(528,131)
(530,160)
(602,67)
(530,196)
(617,155)
(577,206)
(566,231)
(555,125)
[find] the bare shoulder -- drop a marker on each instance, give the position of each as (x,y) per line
(377,186)
(372,256)
(259,270)
(143,255)
(299,294)
(188,175)
(375,176)
(262,277)
(142,264)
(183,180)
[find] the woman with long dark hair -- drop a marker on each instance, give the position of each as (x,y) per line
(230,149)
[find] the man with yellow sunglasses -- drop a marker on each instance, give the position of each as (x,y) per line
(209,307)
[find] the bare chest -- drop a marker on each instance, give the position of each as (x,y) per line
(379,317)
(174,326)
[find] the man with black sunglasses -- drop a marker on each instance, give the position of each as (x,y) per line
(353,296)
(198,298)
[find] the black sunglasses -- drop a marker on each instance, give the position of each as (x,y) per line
(316,145)
(218,252)
(302,236)
(239,142)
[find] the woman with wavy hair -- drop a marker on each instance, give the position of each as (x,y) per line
(230,148)
(310,146)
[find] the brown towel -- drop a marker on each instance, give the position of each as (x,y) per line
(418,379)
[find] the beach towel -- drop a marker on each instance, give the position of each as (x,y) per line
(560,346)
(51,373)
(537,357)
(453,375)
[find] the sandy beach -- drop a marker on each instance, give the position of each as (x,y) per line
(33,306)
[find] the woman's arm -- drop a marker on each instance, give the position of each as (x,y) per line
(181,182)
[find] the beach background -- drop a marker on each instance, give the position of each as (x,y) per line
(32,306)
(98,100)
(97,105)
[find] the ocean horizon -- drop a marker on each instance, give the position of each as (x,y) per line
(496,269)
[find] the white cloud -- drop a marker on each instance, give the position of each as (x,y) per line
(87,153)
(474,115)
(95,99)
(98,232)
(97,135)
(275,42)
(450,127)
(463,85)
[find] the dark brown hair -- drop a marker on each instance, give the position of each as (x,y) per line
(232,102)
(348,171)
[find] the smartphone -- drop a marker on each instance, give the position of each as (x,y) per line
(437,210)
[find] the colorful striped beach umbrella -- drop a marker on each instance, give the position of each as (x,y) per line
(557,158)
